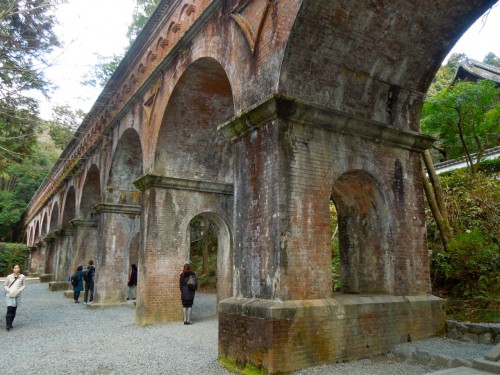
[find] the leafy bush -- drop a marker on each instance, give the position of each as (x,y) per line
(12,254)
(467,272)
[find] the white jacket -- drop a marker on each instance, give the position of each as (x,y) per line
(14,288)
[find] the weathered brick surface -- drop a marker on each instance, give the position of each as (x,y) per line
(167,213)
(291,103)
(287,336)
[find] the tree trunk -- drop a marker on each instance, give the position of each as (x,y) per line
(204,244)
(435,197)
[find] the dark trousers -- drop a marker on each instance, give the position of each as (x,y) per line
(89,287)
(76,295)
(11,314)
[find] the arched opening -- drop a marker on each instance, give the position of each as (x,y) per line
(203,251)
(210,256)
(91,193)
(69,210)
(50,265)
(134,250)
(201,100)
(365,261)
(54,218)
(125,168)
(119,220)
(45,225)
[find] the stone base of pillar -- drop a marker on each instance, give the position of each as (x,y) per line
(57,286)
(46,277)
(281,337)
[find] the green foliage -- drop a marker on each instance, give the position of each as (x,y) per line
(26,36)
(492,59)
(63,125)
(465,119)
(99,74)
(17,133)
(445,74)
(143,10)
(469,269)
(234,367)
(24,179)
(334,222)
(12,254)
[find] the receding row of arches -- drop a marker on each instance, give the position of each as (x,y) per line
(190,147)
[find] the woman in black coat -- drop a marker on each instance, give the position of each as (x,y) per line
(188,289)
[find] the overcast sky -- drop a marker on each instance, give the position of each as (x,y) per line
(90,27)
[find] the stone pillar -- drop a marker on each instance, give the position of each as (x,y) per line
(118,223)
(65,254)
(288,156)
(85,241)
(50,259)
(168,206)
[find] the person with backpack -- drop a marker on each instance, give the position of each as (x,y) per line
(132,283)
(77,283)
(188,285)
(13,285)
(88,277)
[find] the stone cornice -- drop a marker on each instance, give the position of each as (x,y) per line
(66,232)
(116,208)
(83,223)
(300,112)
(149,181)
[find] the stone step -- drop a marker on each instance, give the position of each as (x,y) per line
(459,371)
(485,365)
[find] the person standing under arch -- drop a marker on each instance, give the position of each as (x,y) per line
(188,285)
(14,284)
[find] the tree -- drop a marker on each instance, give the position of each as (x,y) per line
(64,124)
(465,118)
(101,72)
(19,183)
(143,10)
(492,59)
(445,74)
(26,36)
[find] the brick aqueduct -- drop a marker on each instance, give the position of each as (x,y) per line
(254,114)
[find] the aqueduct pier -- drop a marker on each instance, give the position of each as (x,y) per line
(254,114)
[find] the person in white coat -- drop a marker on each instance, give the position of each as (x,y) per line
(14,285)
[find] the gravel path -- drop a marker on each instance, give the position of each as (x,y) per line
(53,335)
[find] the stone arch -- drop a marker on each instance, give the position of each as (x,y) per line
(224,253)
(69,208)
(201,100)
(372,59)
(54,217)
(126,165)
(365,255)
(91,193)
(45,224)
(36,235)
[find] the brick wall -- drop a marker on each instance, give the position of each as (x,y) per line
(287,336)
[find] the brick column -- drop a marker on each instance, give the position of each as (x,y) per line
(85,241)
(168,205)
(65,254)
(288,155)
(49,261)
(118,223)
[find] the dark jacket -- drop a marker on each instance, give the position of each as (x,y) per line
(91,271)
(186,293)
(132,280)
(79,276)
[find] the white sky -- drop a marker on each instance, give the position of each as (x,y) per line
(88,27)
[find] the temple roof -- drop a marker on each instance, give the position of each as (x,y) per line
(472,70)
